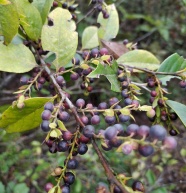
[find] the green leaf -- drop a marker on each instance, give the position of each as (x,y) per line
(61,125)
(2,188)
(60,38)
(43,7)
(159,190)
(30,19)
(109,72)
(109,27)
(4,2)
(139,58)
(27,118)
(16,58)
(90,37)
(179,109)
(150,177)
(173,63)
(9,21)
(21,188)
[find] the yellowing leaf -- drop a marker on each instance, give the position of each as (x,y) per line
(4,2)
(61,125)
(90,37)
(61,37)
(109,27)
(9,21)
(30,19)
(27,118)
(16,58)
(139,58)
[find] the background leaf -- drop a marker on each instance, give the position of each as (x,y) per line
(173,63)
(90,37)
(9,21)
(21,188)
(109,27)
(139,58)
(27,118)
(30,19)
(4,2)
(60,38)
(16,58)
(179,109)
(150,177)
(2,188)
(109,72)
(43,7)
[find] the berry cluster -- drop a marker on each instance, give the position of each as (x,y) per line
(100,7)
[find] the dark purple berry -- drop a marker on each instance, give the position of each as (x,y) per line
(88,131)
(135,103)
(151,83)
(124,93)
(106,15)
(94,53)
(65,188)
(143,131)
(124,118)
(69,178)
(117,189)
(95,120)
(182,84)
(170,142)
(62,146)
(124,84)
(173,116)
(72,164)
(103,105)
(173,132)
(132,129)
(127,148)
(161,102)
(50,22)
(48,186)
(145,150)
(75,61)
(103,51)
(74,76)
(49,106)
(67,135)
(125,42)
(46,115)
(108,148)
(110,119)
(60,80)
(71,8)
(86,55)
(93,1)
(153,93)
(120,129)
(80,103)
(64,5)
(84,139)
(99,8)
(114,142)
(128,101)
(82,148)
(24,80)
(45,126)
(63,116)
(138,186)
(84,119)
(158,132)
(113,101)
(110,132)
